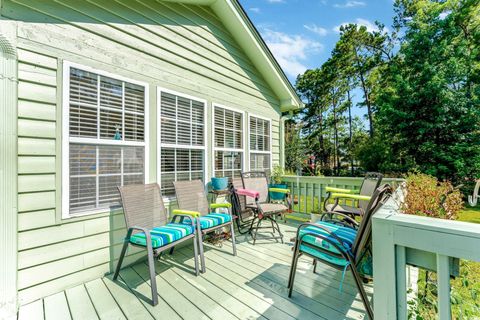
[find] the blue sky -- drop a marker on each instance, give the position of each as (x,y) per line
(302,33)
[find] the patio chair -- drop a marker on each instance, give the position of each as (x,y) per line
(360,198)
(243,214)
(148,227)
(256,191)
(341,247)
(192,201)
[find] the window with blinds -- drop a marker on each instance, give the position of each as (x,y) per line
(182,140)
(106,139)
(228,142)
(260,149)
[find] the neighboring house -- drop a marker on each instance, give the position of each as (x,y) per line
(97,94)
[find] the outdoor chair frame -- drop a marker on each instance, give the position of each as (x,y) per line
(243,214)
(361,197)
(353,256)
(255,186)
(144,210)
(192,201)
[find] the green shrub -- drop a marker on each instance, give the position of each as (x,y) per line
(426,196)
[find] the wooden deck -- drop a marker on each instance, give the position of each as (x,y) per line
(249,286)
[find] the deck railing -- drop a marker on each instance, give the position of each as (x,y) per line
(309,192)
(399,240)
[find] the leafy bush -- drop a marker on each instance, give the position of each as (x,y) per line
(426,196)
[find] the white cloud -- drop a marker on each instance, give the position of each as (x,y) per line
(350,4)
(255,9)
(275,1)
(361,22)
(291,51)
(316,29)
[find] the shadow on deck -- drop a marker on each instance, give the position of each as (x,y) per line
(249,286)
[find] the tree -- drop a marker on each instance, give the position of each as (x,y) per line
(429,97)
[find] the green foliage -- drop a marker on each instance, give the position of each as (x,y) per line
(421,87)
(426,196)
(295,151)
(277,173)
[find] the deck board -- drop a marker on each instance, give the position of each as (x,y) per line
(251,285)
(103,302)
(80,305)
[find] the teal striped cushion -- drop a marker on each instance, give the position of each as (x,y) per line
(214,219)
(347,235)
(164,235)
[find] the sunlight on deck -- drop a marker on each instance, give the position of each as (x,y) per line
(249,286)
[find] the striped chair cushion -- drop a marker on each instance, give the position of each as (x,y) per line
(164,235)
(214,219)
(347,235)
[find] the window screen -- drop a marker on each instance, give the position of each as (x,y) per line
(106,126)
(182,140)
(260,155)
(228,142)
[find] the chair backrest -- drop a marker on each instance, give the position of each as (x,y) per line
(191,196)
(370,183)
(239,202)
(364,232)
(258,181)
(143,205)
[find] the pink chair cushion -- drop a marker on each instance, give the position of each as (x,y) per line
(249,193)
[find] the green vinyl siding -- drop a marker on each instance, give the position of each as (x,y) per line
(173,46)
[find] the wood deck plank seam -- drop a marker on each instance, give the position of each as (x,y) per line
(266,287)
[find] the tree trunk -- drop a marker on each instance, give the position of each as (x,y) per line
(350,130)
(336,159)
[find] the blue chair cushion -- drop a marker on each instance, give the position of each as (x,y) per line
(347,235)
(164,235)
(214,219)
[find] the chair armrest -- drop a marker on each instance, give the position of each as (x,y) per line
(279,190)
(179,212)
(249,193)
(344,216)
(186,216)
(349,196)
(340,190)
(220,205)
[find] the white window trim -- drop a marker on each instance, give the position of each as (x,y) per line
(161,145)
(242,150)
(65,154)
(250,151)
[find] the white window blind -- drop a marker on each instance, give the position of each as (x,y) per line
(182,140)
(260,149)
(106,127)
(228,142)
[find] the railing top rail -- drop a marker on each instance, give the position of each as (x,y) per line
(452,238)
(391,212)
(333,179)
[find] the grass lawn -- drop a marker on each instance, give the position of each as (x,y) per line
(470,214)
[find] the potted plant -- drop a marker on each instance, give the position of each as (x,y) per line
(276,182)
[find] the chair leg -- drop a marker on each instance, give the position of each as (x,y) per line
(361,290)
(232,235)
(256,230)
(195,254)
(200,244)
(278,229)
(122,254)
(293,270)
(171,250)
(314,265)
(151,268)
